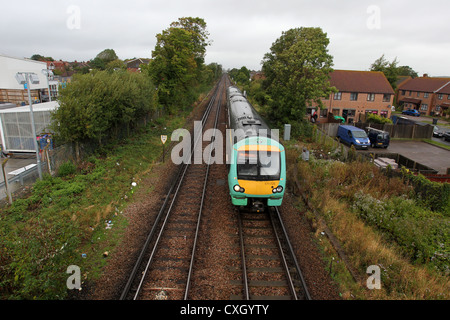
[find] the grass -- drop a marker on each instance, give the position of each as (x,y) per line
(436,143)
(378,221)
(64,221)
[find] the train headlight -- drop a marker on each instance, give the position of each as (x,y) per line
(238,188)
(277,189)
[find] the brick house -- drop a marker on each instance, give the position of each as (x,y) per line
(359,93)
(428,95)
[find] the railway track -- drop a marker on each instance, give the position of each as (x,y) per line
(165,264)
(269,267)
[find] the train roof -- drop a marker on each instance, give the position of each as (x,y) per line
(243,117)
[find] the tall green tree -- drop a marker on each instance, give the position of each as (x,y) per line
(103,59)
(297,72)
(241,76)
(108,55)
(407,71)
(390,69)
(177,61)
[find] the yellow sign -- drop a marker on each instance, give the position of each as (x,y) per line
(163,139)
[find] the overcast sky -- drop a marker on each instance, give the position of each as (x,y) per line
(417,32)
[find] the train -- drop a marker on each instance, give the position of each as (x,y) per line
(255,157)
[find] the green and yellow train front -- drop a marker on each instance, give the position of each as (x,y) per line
(257,175)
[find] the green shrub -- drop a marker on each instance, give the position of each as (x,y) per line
(432,194)
(420,233)
(374,118)
(66,169)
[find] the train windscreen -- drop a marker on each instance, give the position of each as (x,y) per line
(258,165)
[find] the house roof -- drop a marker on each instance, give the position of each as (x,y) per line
(425,84)
(445,89)
(360,81)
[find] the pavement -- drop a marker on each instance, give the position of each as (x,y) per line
(421,152)
(14,165)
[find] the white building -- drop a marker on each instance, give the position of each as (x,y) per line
(11,90)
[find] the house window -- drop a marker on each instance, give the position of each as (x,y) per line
(336,112)
(371,97)
(425,95)
(386,97)
(440,96)
(418,94)
(403,92)
(424,107)
(438,108)
(353,96)
(448,97)
(323,113)
(338,96)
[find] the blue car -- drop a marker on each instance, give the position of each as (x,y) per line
(411,112)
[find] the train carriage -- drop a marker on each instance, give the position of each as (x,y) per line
(257,161)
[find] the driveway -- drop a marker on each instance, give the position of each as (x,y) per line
(421,152)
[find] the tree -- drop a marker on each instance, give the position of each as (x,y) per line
(95,106)
(178,61)
(407,71)
(38,57)
(103,59)
(108,55)
(199,35)
(389,69)
(297,72)
(241,76)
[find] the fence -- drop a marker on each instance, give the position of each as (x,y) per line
(71,152)
(400,131)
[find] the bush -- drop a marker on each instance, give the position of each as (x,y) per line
(420,233)
(66,169)
(374,118)
(432,194)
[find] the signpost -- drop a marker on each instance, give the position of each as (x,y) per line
(163,140)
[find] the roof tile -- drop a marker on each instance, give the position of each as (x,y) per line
(360,81)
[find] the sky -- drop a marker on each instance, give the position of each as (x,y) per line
(416,32)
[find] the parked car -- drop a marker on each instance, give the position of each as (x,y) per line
(411,112)
(378,138)
(446,136)
(353,136)
(437,133)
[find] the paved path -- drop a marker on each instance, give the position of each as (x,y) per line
(422,152)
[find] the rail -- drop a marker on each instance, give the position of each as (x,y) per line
(293,281)
(173,195)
